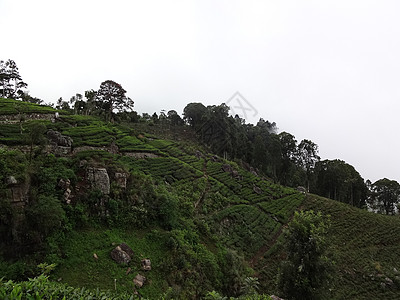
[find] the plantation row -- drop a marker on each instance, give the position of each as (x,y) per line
(245,228)
(12,107)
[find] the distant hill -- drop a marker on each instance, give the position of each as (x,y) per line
(73,188)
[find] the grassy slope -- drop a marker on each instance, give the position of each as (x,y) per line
(366,249)
(81,269)
(365,246)
(242,219)
(12,107)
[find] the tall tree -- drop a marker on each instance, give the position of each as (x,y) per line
(385,196)
(78,104)
(11,84)
(90,96)
(174,118)
(340,181)
(306,269)
(194,113)
(287,168)
(111,96)
(307,157)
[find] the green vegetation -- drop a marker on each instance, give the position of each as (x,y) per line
(306,270)
(212,227)
(42,288)
(14,107)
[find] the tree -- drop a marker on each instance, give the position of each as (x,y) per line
(111,96)
(307,156)
(250,286)
(61,104)
(194,113)
(36,137)
(91,101)
(306,269)
(46,214)
(385,195)
(174,118)
(78,104)
(338,180)
(11,84)
(288,168)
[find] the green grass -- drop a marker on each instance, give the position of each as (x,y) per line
(81,269)
(364,246)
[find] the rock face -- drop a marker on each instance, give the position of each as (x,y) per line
(19,194)
(59,144)
(18,191)
(58,139)
(127,249)
(65,185)
(120,256)
(99,179)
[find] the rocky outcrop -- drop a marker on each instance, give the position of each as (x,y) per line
(120,256)
(127,249)
(99,179)
(65,185)
(19,192)
(56,138)
(59,144)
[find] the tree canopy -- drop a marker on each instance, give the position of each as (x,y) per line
(305,271)
(385,196)
(11,84)
(340,181)
(111,96)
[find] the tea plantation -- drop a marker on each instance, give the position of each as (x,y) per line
(206,223)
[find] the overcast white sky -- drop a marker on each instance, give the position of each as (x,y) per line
(328,71)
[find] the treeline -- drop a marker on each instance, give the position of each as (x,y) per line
(278,155)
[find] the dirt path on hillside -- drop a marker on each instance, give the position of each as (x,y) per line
(260,253)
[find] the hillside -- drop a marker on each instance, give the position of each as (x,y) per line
(205,223)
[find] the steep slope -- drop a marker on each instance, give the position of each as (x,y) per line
(205,222)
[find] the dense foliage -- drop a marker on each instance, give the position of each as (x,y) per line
(11,84)
(306,269)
